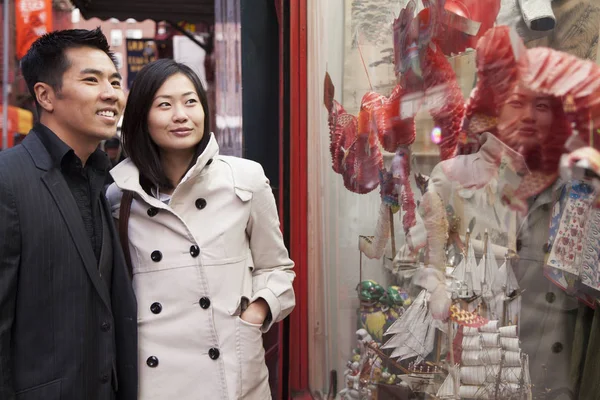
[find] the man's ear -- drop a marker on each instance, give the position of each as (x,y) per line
(45,96)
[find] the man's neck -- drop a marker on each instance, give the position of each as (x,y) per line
(82,147)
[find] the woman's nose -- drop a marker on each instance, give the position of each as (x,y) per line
(179,114)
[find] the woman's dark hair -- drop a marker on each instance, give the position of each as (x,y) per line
(46,61)
(135,136)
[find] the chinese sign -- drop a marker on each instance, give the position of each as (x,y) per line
(33,19)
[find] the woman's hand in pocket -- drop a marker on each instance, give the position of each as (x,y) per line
(256,313)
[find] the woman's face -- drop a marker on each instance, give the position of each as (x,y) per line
(176,116)
(525,120)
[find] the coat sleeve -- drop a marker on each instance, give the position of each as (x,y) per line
(272,276)
(10,249)
(113,195)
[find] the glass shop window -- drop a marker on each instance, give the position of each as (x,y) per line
(453,186)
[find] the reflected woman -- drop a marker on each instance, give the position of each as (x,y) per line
(210,269)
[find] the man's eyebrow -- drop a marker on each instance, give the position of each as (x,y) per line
(97,72)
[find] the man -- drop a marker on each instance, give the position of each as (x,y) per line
(112,148)
(67,308)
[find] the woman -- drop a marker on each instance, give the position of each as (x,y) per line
(210,269)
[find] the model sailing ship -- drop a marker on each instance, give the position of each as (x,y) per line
(492,366)
(489,363)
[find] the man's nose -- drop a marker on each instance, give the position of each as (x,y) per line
(109,92)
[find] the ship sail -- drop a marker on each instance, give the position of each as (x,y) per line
(504,286)
(413,333)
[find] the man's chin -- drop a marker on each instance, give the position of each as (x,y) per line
(104,134)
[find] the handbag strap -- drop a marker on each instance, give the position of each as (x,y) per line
(124,212)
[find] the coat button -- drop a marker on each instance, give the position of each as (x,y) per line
(214,353)
(546,248)
(156,308)
(209,162)
(519,244)
(152,362)
(205,302)
(152,211)
(156,256)
(557,347)
(104,378)
(200,203)
(105,326)
(550,297)
(195,251)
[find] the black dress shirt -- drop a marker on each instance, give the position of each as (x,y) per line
(86,182)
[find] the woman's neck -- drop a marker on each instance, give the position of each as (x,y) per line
(175,165)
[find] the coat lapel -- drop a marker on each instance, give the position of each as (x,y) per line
(58,188)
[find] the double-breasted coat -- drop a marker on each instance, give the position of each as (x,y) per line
(197,262)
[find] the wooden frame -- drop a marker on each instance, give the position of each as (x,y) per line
(298,349)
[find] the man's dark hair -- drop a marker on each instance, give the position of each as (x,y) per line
(135,136)
(47,62)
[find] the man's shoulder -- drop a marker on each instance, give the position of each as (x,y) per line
(16,165)
(14,157)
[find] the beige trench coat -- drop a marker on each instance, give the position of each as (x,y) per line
(196,263)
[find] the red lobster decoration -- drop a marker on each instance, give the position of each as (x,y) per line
(426,80)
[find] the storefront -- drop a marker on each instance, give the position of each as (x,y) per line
(442,249)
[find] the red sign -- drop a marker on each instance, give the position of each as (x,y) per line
(34,19)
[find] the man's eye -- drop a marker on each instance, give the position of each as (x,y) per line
(91,79)
(516,103)
(117,83)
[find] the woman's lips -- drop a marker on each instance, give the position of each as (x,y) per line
(527,132)
(181,132)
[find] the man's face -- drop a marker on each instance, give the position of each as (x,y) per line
(91,99)
(525,120)
(112,153)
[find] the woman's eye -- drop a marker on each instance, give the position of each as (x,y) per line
(116,83)
(516,103)
(543,107)
(191,101)
(164,104)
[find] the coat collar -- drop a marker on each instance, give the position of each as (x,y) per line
(37,151)
(127,176)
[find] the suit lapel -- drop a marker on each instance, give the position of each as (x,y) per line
(61,194)
(58,188)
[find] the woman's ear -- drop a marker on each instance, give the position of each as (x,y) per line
(45,96)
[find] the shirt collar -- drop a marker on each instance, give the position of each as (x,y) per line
(55,147)
(63,155)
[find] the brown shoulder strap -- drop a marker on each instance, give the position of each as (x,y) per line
(124,212)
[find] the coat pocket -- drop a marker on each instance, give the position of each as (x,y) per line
(47,391)
(254,376)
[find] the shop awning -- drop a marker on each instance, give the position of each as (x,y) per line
(193,11)
(19,121)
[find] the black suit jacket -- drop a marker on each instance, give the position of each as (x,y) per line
(62,334)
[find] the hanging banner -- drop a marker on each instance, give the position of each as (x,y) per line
(139,53)
(33,19)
